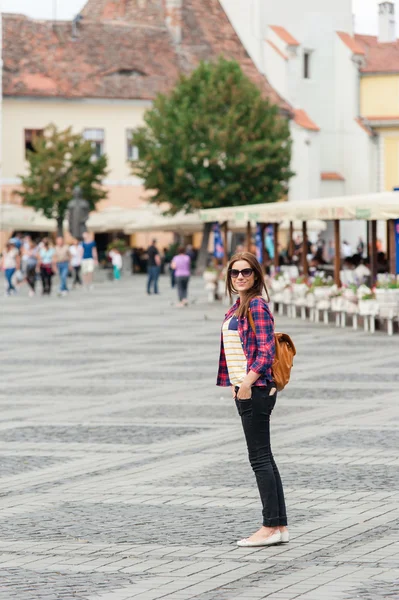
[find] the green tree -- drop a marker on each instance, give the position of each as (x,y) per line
(214,141)
(61,160)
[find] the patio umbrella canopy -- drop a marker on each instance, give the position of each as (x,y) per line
(110,219)
(369,207)
(14,217)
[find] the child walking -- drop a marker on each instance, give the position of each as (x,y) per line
(116,259)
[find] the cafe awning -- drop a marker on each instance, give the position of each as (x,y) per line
(370,207)
(14,217)
(151,218)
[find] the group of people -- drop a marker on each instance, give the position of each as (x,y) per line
(28,260)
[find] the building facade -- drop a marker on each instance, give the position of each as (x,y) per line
(379,94)
(308,53)
(101,72)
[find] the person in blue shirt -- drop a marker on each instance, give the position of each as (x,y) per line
(89,259)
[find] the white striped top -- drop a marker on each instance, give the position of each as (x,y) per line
(235,356)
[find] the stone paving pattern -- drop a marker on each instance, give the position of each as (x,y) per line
(123,468)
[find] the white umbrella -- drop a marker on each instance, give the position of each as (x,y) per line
(14,217)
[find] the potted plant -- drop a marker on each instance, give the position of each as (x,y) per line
(368,305)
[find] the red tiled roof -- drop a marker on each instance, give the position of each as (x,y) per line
(122,50)
(277,50)
(285,35)
(302,119)
(351,42)
(380,57)
(327,176)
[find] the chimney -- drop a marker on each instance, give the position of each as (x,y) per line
(387,24)
(174,18)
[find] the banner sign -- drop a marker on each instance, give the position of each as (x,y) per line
(218,249)
(269,241)
(397,245)
(259,243)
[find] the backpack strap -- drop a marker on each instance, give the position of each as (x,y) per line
(251,322)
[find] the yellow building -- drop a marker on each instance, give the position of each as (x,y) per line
(98,75)
(379,97)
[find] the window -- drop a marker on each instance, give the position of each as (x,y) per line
(306,65)
(96,137)
(30,136)
(132,151)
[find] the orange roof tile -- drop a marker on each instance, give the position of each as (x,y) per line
(302,119)
(380,57)
(285,35)
(277,50)
(351,43)
(364,126)
(331,176)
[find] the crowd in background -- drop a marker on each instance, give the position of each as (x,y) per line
(28,261)
(34,262)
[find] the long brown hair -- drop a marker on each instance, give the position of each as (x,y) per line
(258,287)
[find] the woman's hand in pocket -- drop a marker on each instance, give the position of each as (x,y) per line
(245,392)
(233,391)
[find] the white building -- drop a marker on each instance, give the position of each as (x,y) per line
(307,51)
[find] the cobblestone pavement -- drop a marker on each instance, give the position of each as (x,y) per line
(123,469)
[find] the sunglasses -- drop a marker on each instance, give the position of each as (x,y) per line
(234,273)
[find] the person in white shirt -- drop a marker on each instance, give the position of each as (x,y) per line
(76,252)
(346,250)
(117,262)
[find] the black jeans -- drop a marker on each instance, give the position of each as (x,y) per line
(46,275)
(255,416)
(31,277)
(182,287)
(77,279)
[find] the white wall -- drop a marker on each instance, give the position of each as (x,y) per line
(305,163)
(278,70)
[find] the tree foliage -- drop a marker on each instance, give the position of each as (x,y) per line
(214,141)
(60,161)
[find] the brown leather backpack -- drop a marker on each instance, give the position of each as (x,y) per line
(284,357)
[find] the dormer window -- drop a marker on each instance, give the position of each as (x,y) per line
(307,64)
(125,72)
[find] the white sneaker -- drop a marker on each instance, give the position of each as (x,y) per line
(272,540)
(285,537)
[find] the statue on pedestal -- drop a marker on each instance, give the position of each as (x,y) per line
(78,213)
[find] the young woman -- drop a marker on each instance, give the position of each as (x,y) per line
(31,253)
(246,359)
(10,263)
(181,264)
(45,264)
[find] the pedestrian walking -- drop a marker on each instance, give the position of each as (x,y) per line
(117,262)
(245,364)
(153,267)
(45,265)
(181,264)
(90,259)
(76,252)
(10,263)
(62,259)
(31,260)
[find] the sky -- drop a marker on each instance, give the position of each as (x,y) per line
(365,11)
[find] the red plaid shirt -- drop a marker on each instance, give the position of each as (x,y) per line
(259,349)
